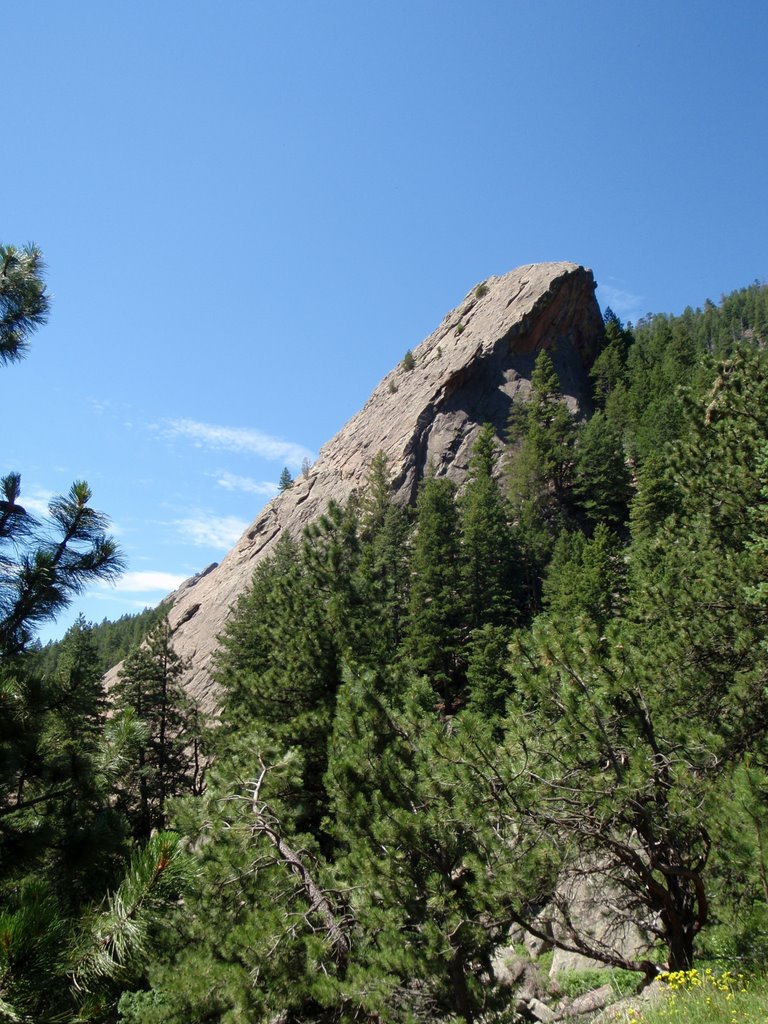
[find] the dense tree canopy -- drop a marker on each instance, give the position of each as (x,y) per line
(76,900)
(434,722)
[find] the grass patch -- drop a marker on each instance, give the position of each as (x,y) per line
(577,983)
(706,997)
(544,962)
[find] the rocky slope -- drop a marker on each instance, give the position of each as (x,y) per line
(466,373)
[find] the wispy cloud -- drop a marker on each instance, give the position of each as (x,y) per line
(144,582)
(625,304)
(232,482)
(35,500)
(239,439)
(123,602)
(212,531)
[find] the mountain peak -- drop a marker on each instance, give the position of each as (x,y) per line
(427,410)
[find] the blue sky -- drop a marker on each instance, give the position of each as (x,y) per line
(250,211)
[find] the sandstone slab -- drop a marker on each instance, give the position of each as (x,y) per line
(467,372)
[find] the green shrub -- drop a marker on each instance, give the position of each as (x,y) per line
(739,940)
(481,290)
(544,962)
(408,362)
(576,983)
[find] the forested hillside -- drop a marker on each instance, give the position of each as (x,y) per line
(113,640)
(435,720)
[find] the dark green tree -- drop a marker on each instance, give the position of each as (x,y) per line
(262,932)
(150,684)
(586,577)
(383,573)
(488,552)
(43,565)
(436,628)
(739,865)
(610,771)
(698,570)
(61,843)
(430,882)
(630,727)
(23,299)
(541,475)
(490,576)
(113,641)
(289,697)
(48,724)
(609,369)
(601,475)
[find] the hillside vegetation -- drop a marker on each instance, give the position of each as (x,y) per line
(435,720)
(112,640)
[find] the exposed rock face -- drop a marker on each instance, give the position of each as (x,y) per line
(594,910)
(468,372)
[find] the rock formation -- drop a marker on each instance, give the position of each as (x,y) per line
(466,373)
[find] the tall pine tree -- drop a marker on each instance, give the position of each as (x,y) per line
(150,683)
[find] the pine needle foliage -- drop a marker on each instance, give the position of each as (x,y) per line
(113,939)
(46,564)
(23,300)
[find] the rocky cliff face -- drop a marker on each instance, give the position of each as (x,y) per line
(466,373)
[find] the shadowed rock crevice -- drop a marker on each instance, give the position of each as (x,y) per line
(469,371)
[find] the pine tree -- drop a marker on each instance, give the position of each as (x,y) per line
(550,431)
(428,876)
(488,678)
(586,577)
(252,942)
(383,577)
(646,715)
(541,475)
(279,663)
(488,552)
(436,628)
(697,568)
(490,576)
(150,684)
(543,464)
(62,845)
(49,789)
(57,559)
(739,863)
(609,368)
(617,779)
(23,299)
(601,475)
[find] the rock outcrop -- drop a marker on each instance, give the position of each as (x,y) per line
(466,373)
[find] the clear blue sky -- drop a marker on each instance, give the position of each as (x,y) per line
(251,210)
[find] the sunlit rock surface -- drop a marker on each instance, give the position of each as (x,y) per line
(467,372)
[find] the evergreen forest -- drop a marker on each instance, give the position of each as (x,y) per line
(437,722)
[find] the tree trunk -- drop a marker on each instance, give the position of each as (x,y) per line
(680,945)
(461,1000)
